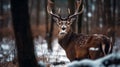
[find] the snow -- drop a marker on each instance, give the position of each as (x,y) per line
(93,49)
(58,54)
(7,48)
(112,60)
(85,63)
(58,58)
(41,64)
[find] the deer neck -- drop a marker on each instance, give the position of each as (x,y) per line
(65,40)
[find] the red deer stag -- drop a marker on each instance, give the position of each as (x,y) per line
(79,46)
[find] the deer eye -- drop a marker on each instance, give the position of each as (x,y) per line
(68,23)
(59,23)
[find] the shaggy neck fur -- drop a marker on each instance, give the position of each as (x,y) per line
(66,39)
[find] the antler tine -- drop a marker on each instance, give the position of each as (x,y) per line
(59,11)
(49,5)
(68,10)
(79,2)
(49,8)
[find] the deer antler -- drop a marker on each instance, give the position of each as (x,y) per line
(68,10)
(78,3)
(49,9)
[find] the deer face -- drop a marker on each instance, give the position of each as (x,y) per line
(64,24)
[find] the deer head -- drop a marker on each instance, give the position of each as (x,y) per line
(64,24)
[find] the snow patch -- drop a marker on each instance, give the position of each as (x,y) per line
(111,60)
(93,49)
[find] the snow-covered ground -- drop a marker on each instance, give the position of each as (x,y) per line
(112,60)
(58,55)
(57,58)
(7,50)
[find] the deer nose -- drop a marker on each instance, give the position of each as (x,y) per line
(63,28)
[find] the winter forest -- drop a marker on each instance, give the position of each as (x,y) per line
(37,33)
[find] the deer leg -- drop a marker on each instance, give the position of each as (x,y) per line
(103,49)
(110,46)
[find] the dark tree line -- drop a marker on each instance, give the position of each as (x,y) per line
(100,16)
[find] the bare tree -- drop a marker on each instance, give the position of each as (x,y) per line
(1,13)
(46,22)
(79,21)
(38,13)
(109,20)
(23,35)
(50,31)
(86,16)
(1,18)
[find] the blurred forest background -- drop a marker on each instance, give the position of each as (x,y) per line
(99,16)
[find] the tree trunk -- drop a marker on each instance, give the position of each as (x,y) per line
(49,36)
(1,13)
(1,18)
(109,19)
(23,35)
(46,22)
(79,21)
(38,13)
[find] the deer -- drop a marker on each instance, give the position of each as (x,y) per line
(79,46)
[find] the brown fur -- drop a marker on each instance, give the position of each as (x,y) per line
(77,46)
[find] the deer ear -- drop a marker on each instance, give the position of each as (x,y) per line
(55,19)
